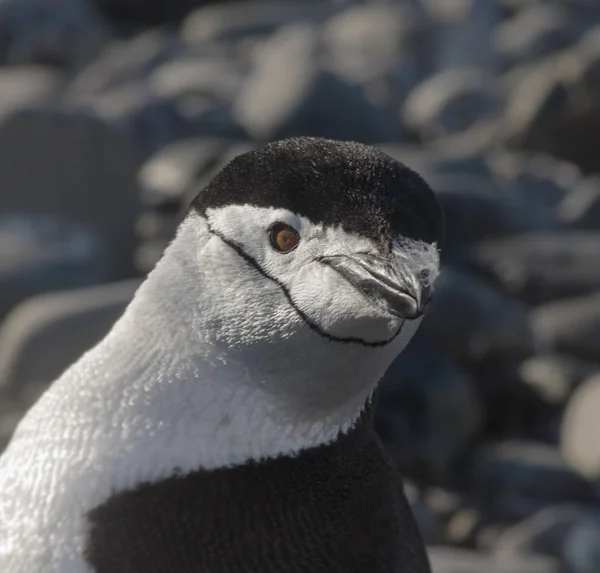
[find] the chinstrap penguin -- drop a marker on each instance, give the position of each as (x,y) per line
(224,425)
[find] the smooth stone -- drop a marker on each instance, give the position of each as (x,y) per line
(464,32)
(534,33)
(472,320)
(580,429)
(84,174)
(311,101)
(358,55)
(69,33)
(516,478)
(555,376)
(580,208)
(44,335)
(123,61)
(168,174)
(534,106)
(233,20)
(43,253)
(543,533)
(451,101)
(427,408)
(569,326)
(542,267)
(581,551)
(452,560)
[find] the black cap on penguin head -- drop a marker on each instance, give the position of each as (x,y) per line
(336,183)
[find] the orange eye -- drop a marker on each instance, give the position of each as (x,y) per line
(283,237)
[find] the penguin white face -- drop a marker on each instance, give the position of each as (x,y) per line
(339,283)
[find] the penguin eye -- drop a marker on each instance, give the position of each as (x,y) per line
(283,237)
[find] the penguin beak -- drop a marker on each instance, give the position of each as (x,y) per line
(400,291)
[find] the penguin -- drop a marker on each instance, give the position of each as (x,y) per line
(225,423)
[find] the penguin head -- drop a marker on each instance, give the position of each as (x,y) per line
(336,237)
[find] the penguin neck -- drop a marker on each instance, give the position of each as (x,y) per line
(203,404)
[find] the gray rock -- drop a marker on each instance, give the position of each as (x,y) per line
(581,552)
(44,253)
(571,326)
(149,253)
(542,267)
(580,208)
(233,20)
(555,376)
(311,101)
(543,533)
(515,479)
(587,73)
(123,61)
(535,32)
(465,29)
(472,320)
(451,101)
(44,335)
(77,170)
(166,177)
(359,55)
(581,428)
(147,120)
(25,86)
(476,209)
(534,106)
(69,33)
(427,408)
(218,77)
(148,12)
(451,560)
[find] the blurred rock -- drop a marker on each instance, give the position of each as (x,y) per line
(427,409)
(46,334)
(451,101)
(472,320)
(25,86)
(451,560)
(581,553)
(571,326)
(123,61)
(515,479)
(555,376)
(149,12)
(167,176)
(542,267)
(580,208)
(536,32)
(231,21)
(581,428)
(464,32)
(393,53)
(65,33)
(77,174)
(279,100)
(476,208)
(216,77)
(543,533)
(44,253)
(534,106)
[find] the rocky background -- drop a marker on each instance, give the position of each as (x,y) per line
(114,112)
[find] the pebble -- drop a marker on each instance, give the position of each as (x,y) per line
(44,335)
(451,101)
(570,326)
(581,428)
